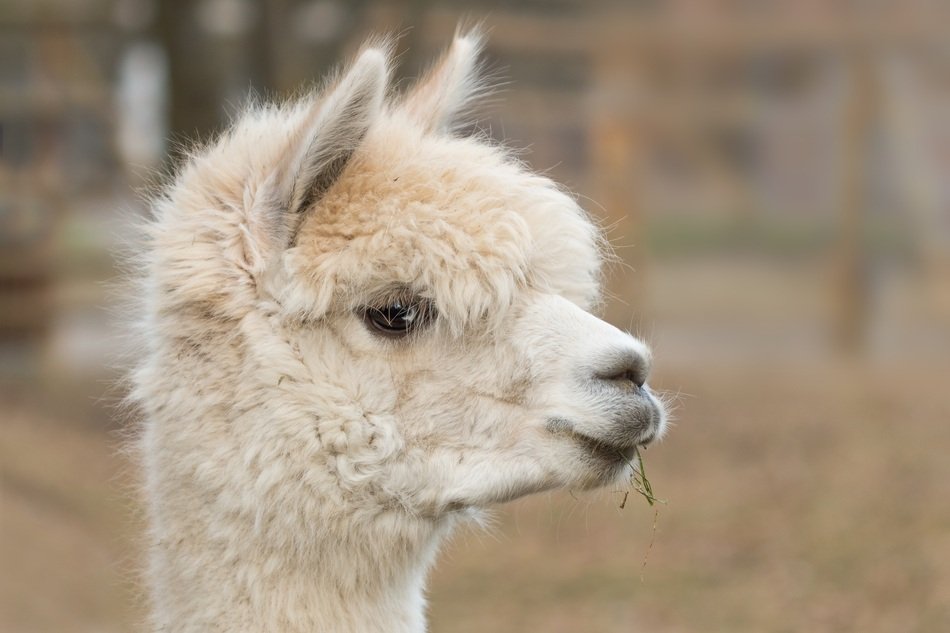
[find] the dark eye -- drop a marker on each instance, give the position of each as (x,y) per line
(397,319)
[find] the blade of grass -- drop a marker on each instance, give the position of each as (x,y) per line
(638,479)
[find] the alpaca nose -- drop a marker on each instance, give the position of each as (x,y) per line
(627,368)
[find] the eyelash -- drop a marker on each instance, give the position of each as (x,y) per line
(399,318)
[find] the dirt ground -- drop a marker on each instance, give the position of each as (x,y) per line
(806,498)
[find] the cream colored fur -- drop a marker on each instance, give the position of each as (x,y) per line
(300,469)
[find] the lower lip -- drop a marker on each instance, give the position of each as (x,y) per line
(607,452)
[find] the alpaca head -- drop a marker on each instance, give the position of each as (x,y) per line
(412,304)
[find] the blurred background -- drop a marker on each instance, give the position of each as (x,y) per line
(774,177)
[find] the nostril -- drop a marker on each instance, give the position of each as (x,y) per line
(634,378)
(628,376)
(629,367)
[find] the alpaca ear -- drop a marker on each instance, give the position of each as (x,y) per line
(448,87)
(332,130)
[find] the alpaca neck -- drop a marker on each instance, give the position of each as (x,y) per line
(376,584)
(348,581)
(348,601)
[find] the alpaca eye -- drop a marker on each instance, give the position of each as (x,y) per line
(397,319)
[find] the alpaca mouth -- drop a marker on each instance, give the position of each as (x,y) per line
(603,449)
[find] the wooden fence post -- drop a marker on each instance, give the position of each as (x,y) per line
(852,267)
(615,140)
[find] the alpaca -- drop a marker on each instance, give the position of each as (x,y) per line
(362,328)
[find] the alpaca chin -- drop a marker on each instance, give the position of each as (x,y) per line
(357,327)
